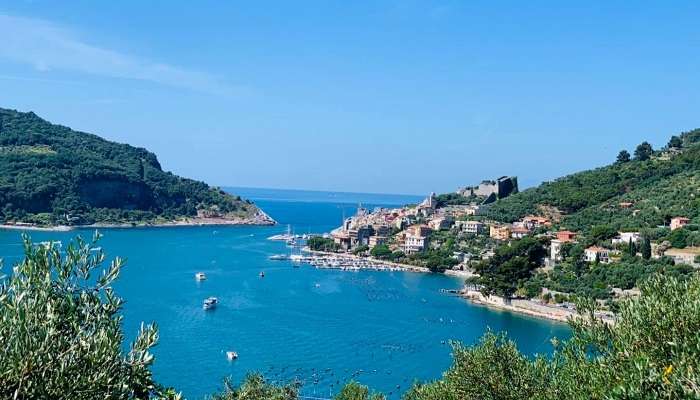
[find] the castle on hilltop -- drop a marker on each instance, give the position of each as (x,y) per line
(492,190)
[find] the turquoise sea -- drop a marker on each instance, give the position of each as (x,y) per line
(324,327)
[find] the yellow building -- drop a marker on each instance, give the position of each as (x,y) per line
(499,232)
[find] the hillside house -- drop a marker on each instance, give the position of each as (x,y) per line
(416,239)
(626,238)
(472,227)
(566,236)
(499,232)
(534,222)
(679,222)
(519,232)
(597,253)
(376,240)
(555,250)
(684,256)
(440,223)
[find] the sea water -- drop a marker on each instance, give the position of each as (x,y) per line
(321,327)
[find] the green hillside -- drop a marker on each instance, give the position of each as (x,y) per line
(659,184)
(51,174)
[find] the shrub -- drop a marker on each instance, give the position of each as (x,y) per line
(61,331)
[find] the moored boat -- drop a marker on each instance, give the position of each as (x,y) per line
(210,303)
(200,276)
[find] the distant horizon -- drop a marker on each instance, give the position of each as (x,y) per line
(324,191)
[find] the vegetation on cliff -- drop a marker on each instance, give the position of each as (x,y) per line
(652,187)
(51,175)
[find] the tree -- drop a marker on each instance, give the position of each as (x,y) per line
(360,249)
(355,391)
(60,330)
(675,142)
(381,251)
(511,266)
(651,352)
(632,248)
(319,243)
(679,238)
(643,151)
(602,232)
(646,248)
(255,387)
(622,157)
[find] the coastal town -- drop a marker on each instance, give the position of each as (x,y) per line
(453,234)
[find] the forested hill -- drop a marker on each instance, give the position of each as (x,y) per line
(638,190)
(53,175)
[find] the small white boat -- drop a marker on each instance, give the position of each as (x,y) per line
(231,355)
(262,274)
(200,276)
(210,303)
(279,257)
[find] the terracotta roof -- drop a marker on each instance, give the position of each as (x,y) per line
(597,249)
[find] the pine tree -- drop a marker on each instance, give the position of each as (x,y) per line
(622,157)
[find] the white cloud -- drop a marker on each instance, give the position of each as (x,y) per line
(46,46)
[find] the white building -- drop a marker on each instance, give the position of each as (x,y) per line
(416,239)
(555,250)
(626,237)
(473,227)
(596,253)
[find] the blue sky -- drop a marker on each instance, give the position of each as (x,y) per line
(380,96)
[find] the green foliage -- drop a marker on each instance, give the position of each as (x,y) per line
(354,391)
(596,280)
(651,352)
(361,249)
(381,251)
(255,387)
(511,266)
(643,152)
(602,232)
(623,157)
(50,174)
(453,199)
(646,248)
(675,142)
(492,369)
(679,238)
(658,189)
(61,330)
(438,257)
(319,243)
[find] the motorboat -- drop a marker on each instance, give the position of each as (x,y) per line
(262,274)
(279,257)
(200,276)
(210,303)
(231,355)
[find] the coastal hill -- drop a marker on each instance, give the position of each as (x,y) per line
(642,190)
(52,175)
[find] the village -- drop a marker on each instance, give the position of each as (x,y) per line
(410,231)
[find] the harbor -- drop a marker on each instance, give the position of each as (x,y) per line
(340,261)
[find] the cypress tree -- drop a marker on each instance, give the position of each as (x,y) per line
(646,248)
